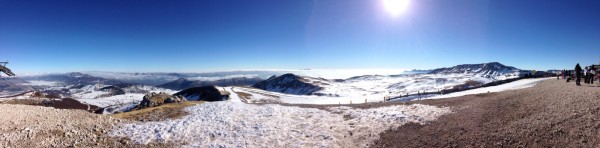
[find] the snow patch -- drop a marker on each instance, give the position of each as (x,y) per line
(230,124)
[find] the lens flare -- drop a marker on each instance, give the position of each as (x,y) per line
(396,7)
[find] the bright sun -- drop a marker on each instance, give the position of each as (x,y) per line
(396,7)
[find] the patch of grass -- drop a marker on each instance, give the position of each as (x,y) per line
(244,95)
(159,113)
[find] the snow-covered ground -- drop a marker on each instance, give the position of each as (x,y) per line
(376,87)
(233,97)
(94,95)
(373,88)
(520,84)
(118,103)
(259,96)
(114,100)
(353,97)
(236,124)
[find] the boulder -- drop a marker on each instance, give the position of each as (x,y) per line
(175,99)
(154,99)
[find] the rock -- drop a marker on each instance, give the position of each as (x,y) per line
(154,99)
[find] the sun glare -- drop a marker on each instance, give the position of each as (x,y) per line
(396,7)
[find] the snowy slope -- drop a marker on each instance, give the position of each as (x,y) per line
(114,100)
(119,97)
(230,124)
(520,84)
(260,96)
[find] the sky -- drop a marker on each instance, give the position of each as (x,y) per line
(204,35)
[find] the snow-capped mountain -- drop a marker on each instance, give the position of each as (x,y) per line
(380,86)
(487,70)
(292,84)
(184,83)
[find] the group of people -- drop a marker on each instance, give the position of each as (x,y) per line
(589,74)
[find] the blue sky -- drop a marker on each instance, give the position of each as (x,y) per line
(204,35)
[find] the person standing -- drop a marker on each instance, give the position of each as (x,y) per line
(592,74)
(598,75)
(585,75)
(578,75)
(567,76)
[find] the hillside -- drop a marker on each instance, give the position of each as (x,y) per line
(13,86)
(292,84)
(184,83)
(206,93)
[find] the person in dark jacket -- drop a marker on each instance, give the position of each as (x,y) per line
(592,74)
(578,75)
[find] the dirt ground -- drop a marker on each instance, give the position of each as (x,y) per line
(36,126)
(551,114)
(159,113)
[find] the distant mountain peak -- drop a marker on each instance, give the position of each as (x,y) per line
(76,74)
(291,84)
(490,69)
(183,83)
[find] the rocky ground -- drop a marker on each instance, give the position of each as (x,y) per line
(552,114)
(36,126)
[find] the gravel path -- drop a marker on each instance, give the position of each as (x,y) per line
(551,114)
(36,126)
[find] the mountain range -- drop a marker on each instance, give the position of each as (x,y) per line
(184,83)
(469,75)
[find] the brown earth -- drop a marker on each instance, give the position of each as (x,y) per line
(64,103)
(159,113)
(551,114)
(36,126)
